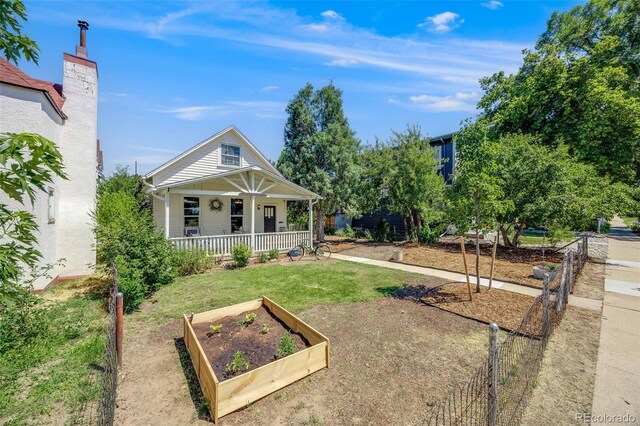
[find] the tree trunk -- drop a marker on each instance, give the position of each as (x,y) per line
(319,224)
(477,260)
(519,232)
(419,225)
(505,236)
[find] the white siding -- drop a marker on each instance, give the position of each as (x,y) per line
(206,161)
(214,222)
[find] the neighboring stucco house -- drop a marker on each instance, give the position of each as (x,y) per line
(66,114)
(445,148)
(223,192)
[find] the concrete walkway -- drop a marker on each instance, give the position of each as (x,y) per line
(579,302)
(617,387)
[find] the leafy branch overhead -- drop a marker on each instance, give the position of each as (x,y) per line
(13,43)
(28,162)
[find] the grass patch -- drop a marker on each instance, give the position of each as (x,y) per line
(537,239)
(296,287)
(56,373)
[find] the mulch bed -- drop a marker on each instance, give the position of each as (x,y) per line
(505,308)
(258,348)
(511,265)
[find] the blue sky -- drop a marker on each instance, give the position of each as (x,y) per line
(173,73)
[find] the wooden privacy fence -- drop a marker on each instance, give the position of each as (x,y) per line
(499,389)
(222,245)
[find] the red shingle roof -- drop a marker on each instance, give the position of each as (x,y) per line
(10,74)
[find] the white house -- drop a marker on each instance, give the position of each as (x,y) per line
(223,192)
(67,115)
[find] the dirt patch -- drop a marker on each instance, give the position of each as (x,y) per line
(376,251)
(502,307)
(590,283)
(511,265)
(565,383)
(258,347)
(390,360)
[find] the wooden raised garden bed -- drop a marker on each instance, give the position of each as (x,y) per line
(211,351)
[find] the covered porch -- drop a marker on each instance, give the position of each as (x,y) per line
(221,210)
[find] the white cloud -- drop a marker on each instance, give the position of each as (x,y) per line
(260,109)
(493,4)
(442,22)
(316,27)
(269,88)
(461,101)
(193,113)
(451,64)
(332,14)
(342,62)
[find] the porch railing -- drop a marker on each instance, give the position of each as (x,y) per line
(222,245)
(280,240)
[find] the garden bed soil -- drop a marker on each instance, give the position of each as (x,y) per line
(505,308)
(511,265)
(258,348)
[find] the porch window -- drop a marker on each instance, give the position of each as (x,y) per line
(230,155)
(237,212)
(191,212)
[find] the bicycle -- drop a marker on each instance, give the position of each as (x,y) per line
(320,251)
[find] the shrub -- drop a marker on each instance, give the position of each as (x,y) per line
(189,262)
(367,234)
(382,230)
(126,234)
(263,257)
(241,255)
(347,232)
(432,235)
(274,254)
(131,283)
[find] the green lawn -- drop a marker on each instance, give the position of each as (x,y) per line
(51,379)
(537,239)
(294,286)
(629,220)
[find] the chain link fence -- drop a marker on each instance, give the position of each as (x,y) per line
(498,390)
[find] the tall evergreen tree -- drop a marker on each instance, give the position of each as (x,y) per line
(320,151)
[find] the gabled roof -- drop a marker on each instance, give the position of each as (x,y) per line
(443,138)
(209,140)
(275,176)
(10,74)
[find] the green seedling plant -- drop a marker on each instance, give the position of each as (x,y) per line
(238,363)
(287,346)
(265,329)
(554,266)
(248,319)
(216,328)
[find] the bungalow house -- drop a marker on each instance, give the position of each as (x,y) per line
(66,114)
(445,148)
(224,192)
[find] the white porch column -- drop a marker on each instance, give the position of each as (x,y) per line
(253,223)
(167,216)
(310,223)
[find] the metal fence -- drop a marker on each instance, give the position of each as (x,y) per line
(109,376)
(498,391)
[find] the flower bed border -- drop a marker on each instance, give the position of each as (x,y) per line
(237,392)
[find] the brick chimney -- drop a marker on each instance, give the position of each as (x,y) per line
(81,50)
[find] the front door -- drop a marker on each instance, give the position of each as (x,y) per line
(269,218)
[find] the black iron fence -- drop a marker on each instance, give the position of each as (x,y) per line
(498,391)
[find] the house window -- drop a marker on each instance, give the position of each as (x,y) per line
(237,212)
(230,155)
(191,212)
(51,206)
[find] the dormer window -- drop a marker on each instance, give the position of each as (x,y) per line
(230,155)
